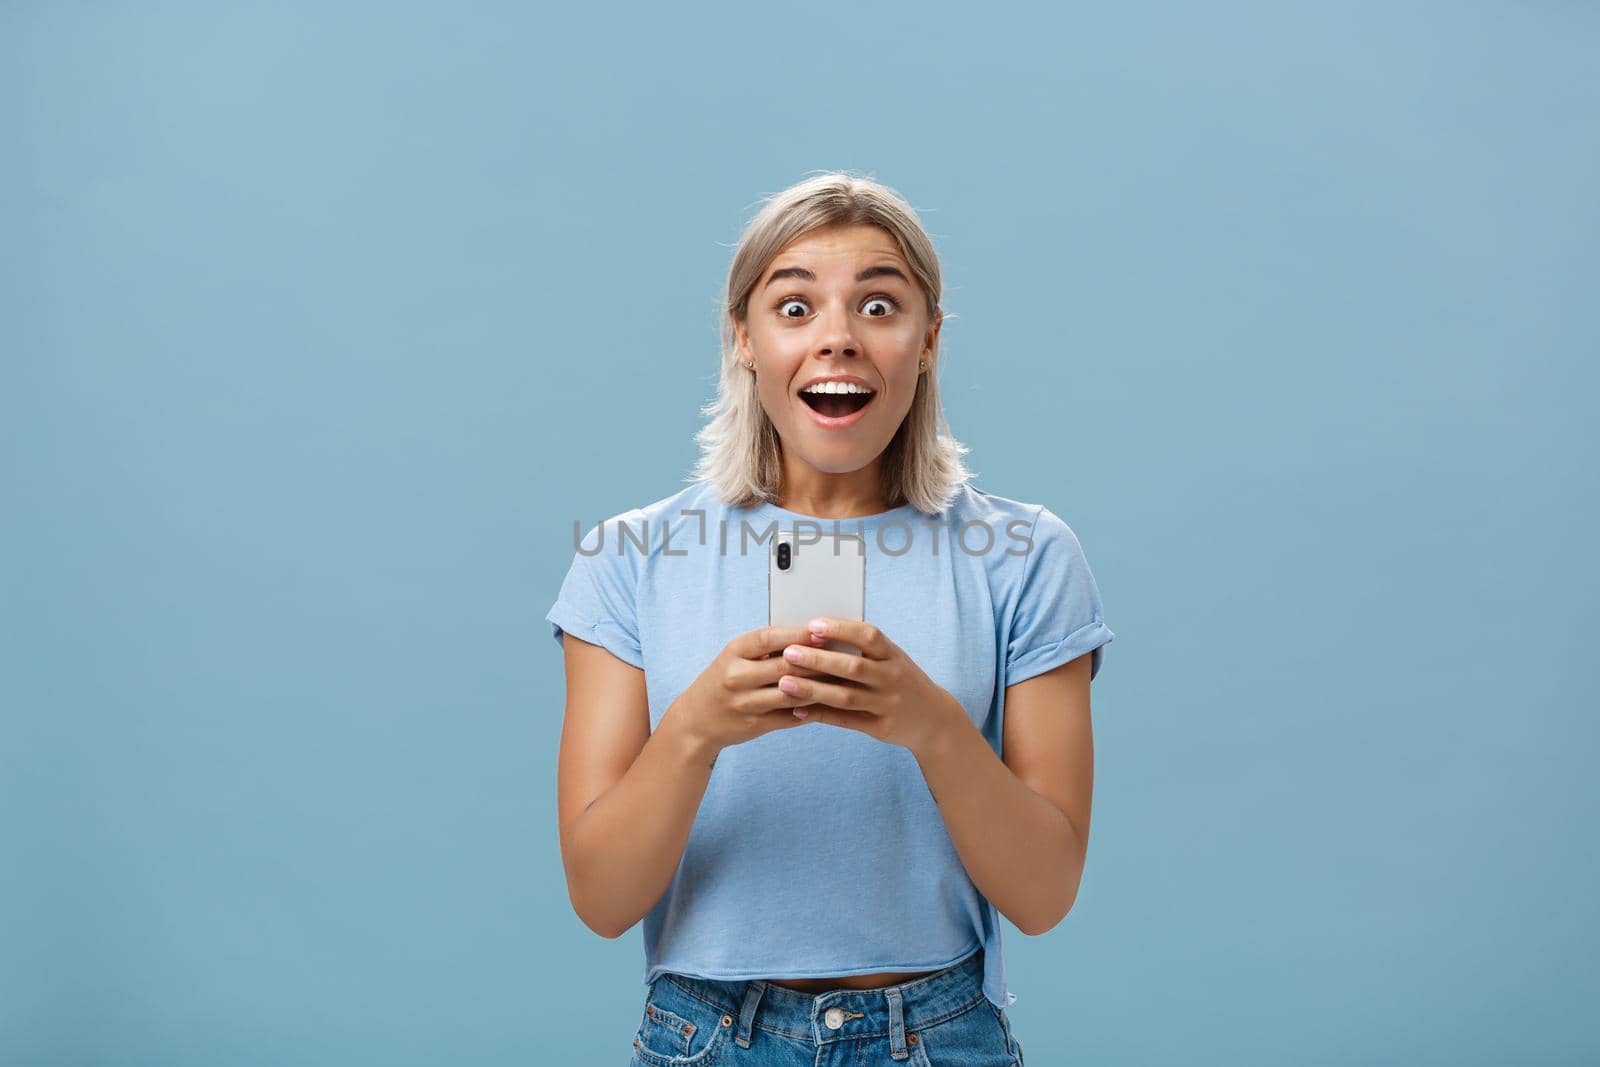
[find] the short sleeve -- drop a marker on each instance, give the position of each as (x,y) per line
(1058,615)
(597,601)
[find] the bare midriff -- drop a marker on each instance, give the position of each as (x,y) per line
(851,981)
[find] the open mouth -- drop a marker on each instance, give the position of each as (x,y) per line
(836,405)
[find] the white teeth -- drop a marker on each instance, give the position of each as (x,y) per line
(835,387)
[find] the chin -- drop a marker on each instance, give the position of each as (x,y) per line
(837,458)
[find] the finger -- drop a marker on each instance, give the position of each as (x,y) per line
(784,718)
(850,720)
(843,665)
(771,698)
(765,640)
(833,694)
(872,642)
(753,674)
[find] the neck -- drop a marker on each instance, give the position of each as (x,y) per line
(832,496)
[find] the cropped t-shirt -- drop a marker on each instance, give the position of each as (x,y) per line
(818,851)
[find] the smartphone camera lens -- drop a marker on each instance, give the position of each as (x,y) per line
(783,555)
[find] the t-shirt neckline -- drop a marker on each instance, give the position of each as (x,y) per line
(767,511)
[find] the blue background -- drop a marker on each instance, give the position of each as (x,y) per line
(322,323)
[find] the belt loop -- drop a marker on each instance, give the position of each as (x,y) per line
(747,1013)
(897,1025)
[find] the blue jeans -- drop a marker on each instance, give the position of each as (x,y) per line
(939,1020)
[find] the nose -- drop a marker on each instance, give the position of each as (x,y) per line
(837,340)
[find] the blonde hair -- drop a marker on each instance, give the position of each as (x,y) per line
(740,447)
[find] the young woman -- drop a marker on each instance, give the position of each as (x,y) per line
(820,844)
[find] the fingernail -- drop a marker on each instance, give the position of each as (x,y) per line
(788,685)
(801,713)
(818,626)
(792,654)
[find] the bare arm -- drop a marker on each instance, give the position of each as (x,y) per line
(1021,826)
(627,797)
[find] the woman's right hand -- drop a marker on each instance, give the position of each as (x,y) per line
(736,698)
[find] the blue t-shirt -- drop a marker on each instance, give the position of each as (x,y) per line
(818,851)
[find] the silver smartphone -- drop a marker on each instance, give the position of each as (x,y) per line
(812,573)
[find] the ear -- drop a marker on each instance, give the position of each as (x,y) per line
(932,347)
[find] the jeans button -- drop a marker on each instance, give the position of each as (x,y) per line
(834,1017)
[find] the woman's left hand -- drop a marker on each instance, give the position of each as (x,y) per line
(881,692)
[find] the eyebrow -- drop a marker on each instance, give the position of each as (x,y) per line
(881,271)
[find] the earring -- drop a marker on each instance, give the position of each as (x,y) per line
(922,364)
(750,363)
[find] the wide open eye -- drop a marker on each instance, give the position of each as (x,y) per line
(890,305)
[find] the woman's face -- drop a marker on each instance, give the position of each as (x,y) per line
(838,302)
